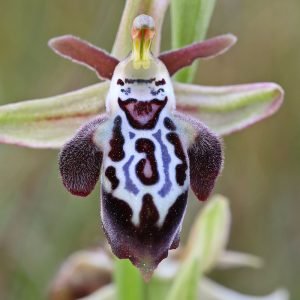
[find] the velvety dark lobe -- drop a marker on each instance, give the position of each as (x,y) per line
(147,244)
(205,158)
(110,173)
(80,160)
(179,152)
(146,146)
(117,141)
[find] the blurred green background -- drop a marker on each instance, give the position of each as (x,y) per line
(41,224)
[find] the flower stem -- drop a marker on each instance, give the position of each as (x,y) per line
(129,282)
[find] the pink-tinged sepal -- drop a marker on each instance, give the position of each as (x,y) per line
(231,108)
(84,53)
(183,57)
(205,155)
(147,243)
(80,159)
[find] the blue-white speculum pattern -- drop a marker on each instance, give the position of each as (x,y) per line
(145,166)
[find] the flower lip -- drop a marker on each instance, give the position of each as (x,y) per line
(142,114)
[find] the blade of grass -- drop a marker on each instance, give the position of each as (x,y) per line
(190,21)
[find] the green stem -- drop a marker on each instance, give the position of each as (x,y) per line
(145,287)
(129,282)
(189,22)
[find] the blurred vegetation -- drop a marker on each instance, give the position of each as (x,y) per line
(41,224)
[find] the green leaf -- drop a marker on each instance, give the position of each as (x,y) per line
(207,240)
(155,8)
(229,108)
(50,122)
(128,280)
(190,21)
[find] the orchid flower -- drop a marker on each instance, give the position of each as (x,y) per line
(147,138)
(146,152)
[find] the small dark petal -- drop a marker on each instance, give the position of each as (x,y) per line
(84,53)
(80,160)
(183,57)
(145,244)
(205,157)
(205,163)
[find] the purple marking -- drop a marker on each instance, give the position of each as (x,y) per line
(155,93)
(127,91)
(131,135)
(129,185)
(166,162)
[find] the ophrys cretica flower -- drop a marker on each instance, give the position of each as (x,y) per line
(146,153)
(142,119)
